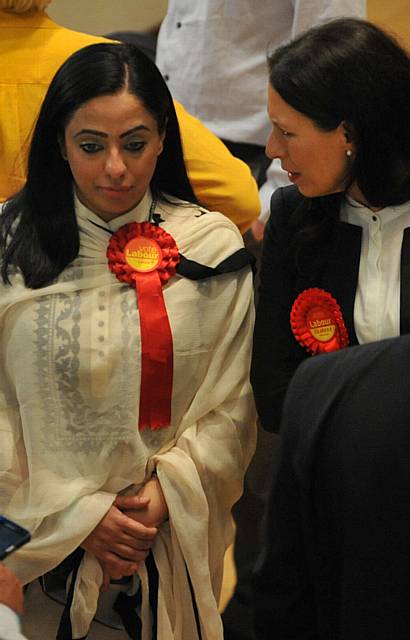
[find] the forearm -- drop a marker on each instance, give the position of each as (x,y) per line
(155,512)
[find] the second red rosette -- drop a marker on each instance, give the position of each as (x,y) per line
(317,322)
(145,257)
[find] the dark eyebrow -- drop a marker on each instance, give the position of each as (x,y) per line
(140,127)
(101,134)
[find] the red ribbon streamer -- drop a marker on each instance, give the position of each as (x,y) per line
(156,337)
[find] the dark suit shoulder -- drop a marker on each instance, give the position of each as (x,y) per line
(291,211)
(286,197)
(285,201)
(288,207)
(361,373)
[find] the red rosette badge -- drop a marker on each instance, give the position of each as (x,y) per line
(317,322)
(145,257)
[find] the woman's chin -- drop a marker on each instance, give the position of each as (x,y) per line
(316,192)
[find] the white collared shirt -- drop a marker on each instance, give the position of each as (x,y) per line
(212,54)
(377,302)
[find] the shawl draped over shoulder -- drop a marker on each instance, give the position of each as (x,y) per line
(69,401)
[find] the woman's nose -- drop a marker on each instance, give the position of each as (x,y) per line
(274,147)
(115,166)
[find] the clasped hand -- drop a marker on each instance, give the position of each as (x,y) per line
(123,538)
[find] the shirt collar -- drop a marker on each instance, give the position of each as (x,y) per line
(357,213)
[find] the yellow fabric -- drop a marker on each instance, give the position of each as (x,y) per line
(32,48)
(220,181)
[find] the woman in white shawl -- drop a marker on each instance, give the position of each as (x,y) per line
(126,316)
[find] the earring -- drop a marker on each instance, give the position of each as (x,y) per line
(349,153)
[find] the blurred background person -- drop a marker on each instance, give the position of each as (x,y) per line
(27,34)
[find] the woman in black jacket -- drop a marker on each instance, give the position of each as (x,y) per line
(336,272)
(338,101)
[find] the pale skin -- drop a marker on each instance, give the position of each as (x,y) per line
(112,144)
(316,161)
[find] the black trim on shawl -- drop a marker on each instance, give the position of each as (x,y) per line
(65,630)
(126,606)
(196,271)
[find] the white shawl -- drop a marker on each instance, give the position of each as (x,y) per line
(69,397)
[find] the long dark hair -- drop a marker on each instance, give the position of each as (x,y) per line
(38,228)
(348,70)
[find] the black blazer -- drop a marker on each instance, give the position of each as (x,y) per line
(335,562)
(330,261)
